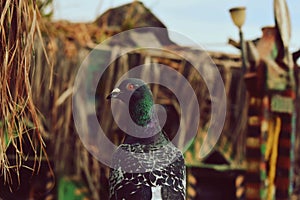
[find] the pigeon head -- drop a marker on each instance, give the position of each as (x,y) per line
(138,96)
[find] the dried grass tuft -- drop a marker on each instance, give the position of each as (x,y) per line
(20,127)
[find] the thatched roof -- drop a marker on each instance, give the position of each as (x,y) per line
(130,16)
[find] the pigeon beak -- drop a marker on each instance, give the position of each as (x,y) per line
(114,94)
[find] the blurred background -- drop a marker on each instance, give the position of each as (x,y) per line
(254,45)
(206,22)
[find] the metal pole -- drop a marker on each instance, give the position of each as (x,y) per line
(242,43)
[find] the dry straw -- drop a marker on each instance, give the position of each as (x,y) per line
(20,127)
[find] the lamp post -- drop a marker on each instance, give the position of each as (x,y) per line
(238,16)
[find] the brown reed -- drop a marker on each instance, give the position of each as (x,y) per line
(20,126)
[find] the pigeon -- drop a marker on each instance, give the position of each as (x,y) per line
(146,165)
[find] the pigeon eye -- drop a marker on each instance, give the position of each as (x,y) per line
(130,87)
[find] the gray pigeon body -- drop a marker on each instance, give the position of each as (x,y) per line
(147,165)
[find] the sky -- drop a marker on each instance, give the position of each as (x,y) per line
(206,22)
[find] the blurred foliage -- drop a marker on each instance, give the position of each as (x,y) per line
(46,8)
(72,188)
